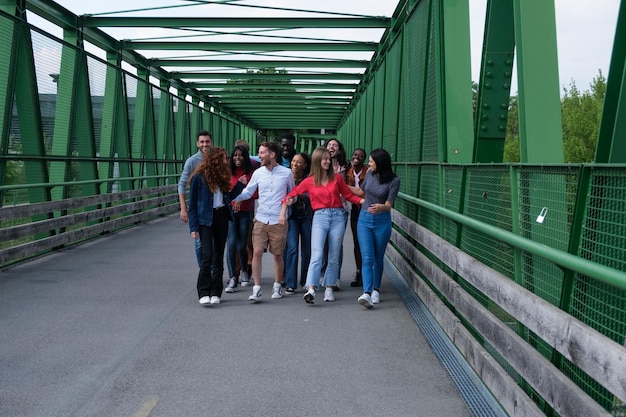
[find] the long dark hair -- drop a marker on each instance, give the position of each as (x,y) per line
(384,170)
(307,161)
(341,153)
(247,165)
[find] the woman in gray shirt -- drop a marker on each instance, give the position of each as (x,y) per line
(381,186)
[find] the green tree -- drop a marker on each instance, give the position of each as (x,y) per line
(581,120)
(581,114)
(511,139)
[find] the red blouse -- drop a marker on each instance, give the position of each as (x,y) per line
(325,196)
(246,205)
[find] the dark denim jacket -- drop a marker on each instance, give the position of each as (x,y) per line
(200,210)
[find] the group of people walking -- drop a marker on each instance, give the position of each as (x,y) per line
(302,208)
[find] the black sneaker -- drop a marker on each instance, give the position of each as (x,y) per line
(290,290)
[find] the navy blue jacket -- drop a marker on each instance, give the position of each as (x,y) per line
(200,209)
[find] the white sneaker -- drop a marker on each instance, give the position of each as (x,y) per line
(256,294)
(309,296)
(277,291)
(375,297)
(205,301)
(215,300)
(328,294)
(244,279)
(366,300)
(232,285)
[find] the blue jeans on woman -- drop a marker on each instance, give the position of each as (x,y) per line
(238,231)
(299,234)
(327,223)
(374,231)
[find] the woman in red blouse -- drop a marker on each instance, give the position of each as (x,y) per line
(325,190)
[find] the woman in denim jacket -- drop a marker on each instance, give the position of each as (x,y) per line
(210,212)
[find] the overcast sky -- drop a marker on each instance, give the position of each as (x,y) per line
(585,28)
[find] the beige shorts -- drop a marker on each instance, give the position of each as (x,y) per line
(273,234)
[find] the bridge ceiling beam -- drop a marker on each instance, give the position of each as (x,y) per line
(248,64)
(338,76)
(249,46)
(240,22)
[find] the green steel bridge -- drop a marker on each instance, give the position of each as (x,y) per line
(522,264)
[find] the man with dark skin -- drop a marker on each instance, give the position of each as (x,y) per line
(287,143)
(354,176)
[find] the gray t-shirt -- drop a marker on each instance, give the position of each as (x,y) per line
(375,192)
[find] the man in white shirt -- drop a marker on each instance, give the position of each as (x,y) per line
(273,182)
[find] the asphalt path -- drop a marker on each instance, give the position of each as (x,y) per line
(113,328)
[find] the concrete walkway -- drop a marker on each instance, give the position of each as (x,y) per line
(113,328)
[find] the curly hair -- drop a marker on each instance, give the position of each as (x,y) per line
(215,170)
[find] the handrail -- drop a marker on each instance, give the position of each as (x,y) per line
(85,182)
(575,263)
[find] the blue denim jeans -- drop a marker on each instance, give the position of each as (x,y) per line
(374,231)
(325,264)
(238,230)
(299,234)
(327,223)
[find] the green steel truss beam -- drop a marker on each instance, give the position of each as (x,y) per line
(249,46)
(239,22)
(273,94)
(266,63)
(495,87)
(269,86)
(336,76)
(611,146)
(541,130)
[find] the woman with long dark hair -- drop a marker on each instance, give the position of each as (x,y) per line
(210,213)
(299,233)
(238,230)
(381,186)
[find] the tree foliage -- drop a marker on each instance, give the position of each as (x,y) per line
(581,114)
(581,120)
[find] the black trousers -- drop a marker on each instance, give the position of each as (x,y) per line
(213,242)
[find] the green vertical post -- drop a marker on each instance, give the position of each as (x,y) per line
(166,139)
(541,137)
(115,137)
(494,88)
(29,112)
(456,85)
(8,52)
(182,124)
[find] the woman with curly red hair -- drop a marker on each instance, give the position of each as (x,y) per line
(210,212)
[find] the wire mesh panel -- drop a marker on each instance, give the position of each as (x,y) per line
(603,240)
(452,191)
(432,135)
(392,95)
(547,198)
(488,199)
